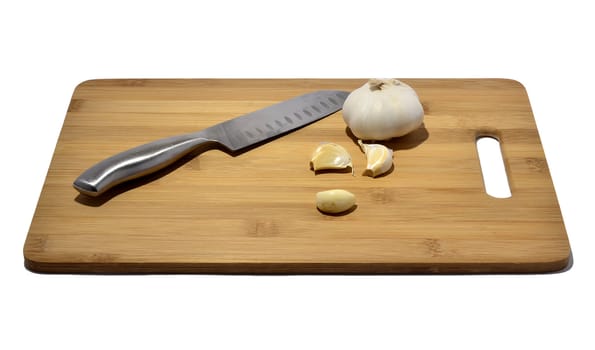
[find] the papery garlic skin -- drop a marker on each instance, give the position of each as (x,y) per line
(335,201)
(379,158)
(329,156)
(382,109)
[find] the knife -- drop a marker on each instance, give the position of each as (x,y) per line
(233,135)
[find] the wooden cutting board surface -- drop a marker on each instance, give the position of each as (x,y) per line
(256,213)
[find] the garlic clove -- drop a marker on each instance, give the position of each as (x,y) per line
(330,156)
(379,158)
(335,201)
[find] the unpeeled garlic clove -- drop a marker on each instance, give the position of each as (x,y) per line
(379,158)
(329,156)
(335,201)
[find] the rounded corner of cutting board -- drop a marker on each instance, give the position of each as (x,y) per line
(513,82)
(561,263)
(558,262)
(34,265)
(86,83)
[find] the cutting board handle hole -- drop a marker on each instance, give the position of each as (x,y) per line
(495,178)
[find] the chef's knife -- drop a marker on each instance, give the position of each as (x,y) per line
(234,135)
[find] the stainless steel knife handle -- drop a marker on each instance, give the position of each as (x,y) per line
(137,162)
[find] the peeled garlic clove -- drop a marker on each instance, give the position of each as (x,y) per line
(330,156)
(379,158)
(334,201)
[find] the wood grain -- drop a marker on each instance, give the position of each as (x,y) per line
(256,213)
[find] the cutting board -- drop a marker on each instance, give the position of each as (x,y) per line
(255,212)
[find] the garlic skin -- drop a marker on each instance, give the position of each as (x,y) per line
(382,109)
(379,158)
(330,156)
(335,201)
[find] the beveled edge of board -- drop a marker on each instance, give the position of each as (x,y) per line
(555,266)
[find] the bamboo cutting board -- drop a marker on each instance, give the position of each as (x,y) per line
(255,212)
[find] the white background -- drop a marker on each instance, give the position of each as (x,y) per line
(48,47)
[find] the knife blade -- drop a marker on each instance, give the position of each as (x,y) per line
(234,135)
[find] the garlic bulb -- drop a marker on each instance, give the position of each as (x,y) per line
(330,156)
(335,201)
(379,158)
(382,109)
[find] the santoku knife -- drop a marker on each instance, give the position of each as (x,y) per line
(234,135)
